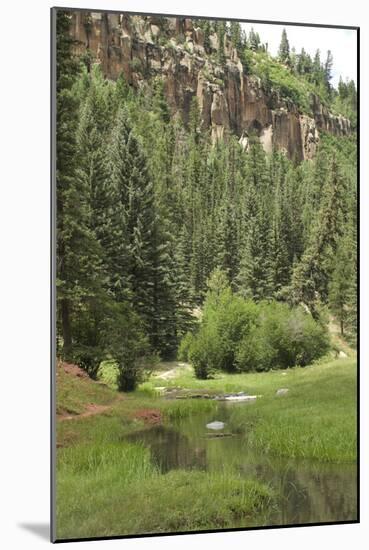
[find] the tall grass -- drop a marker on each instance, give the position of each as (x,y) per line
(177,501)
(178,409)
(124,459)
(315,420)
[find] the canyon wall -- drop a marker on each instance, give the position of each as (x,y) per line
(143,47)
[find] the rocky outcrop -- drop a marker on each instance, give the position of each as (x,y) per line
(143,47)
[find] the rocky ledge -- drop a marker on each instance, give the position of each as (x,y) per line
(143,47)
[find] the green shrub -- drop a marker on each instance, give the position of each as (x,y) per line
(240,335)
(255,353)
(226,319)
(282,338)
(204,352)
(136,65)
(185,346)
(233,321)
(280,78)
(108,373)
(128,346)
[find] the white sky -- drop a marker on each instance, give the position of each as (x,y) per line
(341,42)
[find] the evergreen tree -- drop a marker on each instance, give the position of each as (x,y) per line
(328,70)
(311,276)
(78,252)
(236,35)
(221,34)
(340,284)
(256,277)
(284,49)
(317,72)
(254,40)
(207,32)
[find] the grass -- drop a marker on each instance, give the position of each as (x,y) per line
(184,408)
(74,394)
(316,419)
(107,486)
(116,491)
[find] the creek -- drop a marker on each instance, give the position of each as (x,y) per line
(307,491)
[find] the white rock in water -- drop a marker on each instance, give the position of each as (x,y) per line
(241,398)
(216,425)
(282,391)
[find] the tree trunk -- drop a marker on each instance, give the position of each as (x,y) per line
(341,323)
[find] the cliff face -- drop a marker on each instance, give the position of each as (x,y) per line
(172,48)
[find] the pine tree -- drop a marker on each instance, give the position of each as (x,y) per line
(317,74)
(311,276)
(228,241)
(142,266)
(78,251)
(304,63)
(236,35)
(340,284)
(254,40)
(328,71)
(183,296)
(207,32)
(256,277)
(221,33)
(160,104)
(284,49)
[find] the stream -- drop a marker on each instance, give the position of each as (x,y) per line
(307,491)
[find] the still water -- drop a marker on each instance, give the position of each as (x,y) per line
(307,491)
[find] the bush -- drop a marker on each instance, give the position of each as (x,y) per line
(136,65)
(108,373)
(282,338)
(289,85)
(204,352)
(239,335)
(185,346)
(226,319)
(233,321)
(255,353)
(128,346)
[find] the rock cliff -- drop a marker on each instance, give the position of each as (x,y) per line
(143,47)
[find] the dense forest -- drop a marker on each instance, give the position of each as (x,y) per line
(167,240)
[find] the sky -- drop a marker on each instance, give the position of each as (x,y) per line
(341,42)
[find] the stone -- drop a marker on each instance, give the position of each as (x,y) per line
(342,355)
(282,391)
(216,425)
(238,398)
(199,37)
(155,30)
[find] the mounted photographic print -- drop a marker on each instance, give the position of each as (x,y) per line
(204,274)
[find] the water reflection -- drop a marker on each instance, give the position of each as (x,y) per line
(170,449)
(308,492)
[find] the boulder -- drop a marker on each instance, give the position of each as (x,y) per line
(216,425)
(282,391)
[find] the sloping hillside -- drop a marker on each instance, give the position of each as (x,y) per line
(77,394)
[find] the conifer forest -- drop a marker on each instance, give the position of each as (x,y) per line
(199,234)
